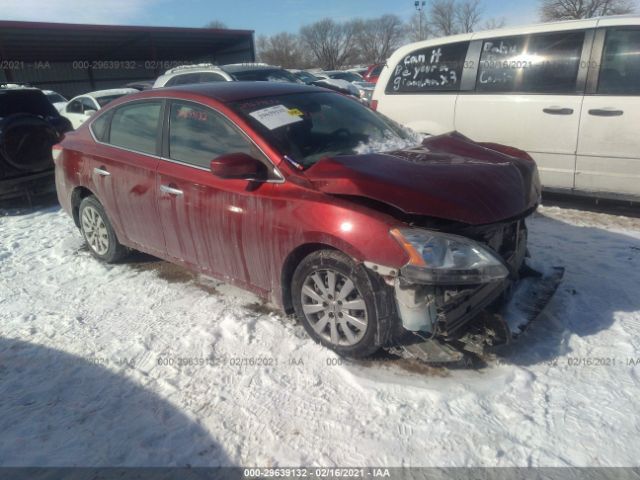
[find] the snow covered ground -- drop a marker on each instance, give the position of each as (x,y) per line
(144,364)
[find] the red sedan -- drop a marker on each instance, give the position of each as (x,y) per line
(373,72)
(309,199)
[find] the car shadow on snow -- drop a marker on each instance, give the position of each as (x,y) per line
(57,409)
(600,287)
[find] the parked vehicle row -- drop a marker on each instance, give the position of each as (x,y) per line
(568,93)
(311,200)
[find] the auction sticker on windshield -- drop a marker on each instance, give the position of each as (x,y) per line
(277,116)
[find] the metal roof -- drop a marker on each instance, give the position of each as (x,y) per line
(63,42)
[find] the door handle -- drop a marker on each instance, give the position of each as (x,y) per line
(606,112)
(170,190)
(101,171)
(558,111)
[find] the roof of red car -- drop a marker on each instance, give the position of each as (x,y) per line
(234,91)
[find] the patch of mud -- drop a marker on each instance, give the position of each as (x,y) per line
(262,308)
(170,272)
(384,359)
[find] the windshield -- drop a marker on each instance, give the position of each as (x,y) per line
(266,76)
(102,101)
(25,101)
(310,126)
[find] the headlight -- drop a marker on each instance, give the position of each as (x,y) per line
(442,259)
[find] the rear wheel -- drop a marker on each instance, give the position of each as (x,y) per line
(98,232)
(338,303)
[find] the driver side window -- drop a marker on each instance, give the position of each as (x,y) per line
(74,107)
(87,104)
(198,134)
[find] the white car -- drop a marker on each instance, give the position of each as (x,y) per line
(81,108)
(568,93)
(206,72)
(56,99)
(185,74)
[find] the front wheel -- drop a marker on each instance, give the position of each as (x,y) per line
(98,232)
(339,304)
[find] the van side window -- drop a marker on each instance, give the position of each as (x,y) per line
(198,134)
(542,63)
(620,71)
(432,69)
(135,126)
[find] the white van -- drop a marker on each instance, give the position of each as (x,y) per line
(568,93)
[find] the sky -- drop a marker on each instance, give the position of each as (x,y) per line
(263,16)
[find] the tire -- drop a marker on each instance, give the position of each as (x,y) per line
(322,295)
(26,142)
(98,232)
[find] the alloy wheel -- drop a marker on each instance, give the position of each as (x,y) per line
(334,307)
(95,230)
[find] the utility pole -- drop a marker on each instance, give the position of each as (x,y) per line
(420,8)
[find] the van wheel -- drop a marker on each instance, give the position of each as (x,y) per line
(98,232)
(338,302)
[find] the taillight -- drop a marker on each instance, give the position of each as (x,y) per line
(56,150)
(374,104)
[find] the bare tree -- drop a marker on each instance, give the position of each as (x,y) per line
(331,44)
(418,27)
(442,17)
(216,24)
(493,23)
(378,38)
(575,9)
(468,15)
(282,49)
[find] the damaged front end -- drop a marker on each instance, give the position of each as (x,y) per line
(459,289)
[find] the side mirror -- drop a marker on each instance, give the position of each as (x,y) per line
(238,166)
(88,112)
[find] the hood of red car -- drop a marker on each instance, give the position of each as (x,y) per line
(448,177)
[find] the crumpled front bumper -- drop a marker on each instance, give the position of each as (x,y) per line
(492,315)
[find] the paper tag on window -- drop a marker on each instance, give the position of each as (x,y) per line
(276,116)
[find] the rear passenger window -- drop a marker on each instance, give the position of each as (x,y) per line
(197,135)
(432,69)
(210,77)
(135,126)
(545,63)
(99,126)
(620,71)
(184,79)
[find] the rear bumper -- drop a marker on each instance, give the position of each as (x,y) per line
(30,185)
